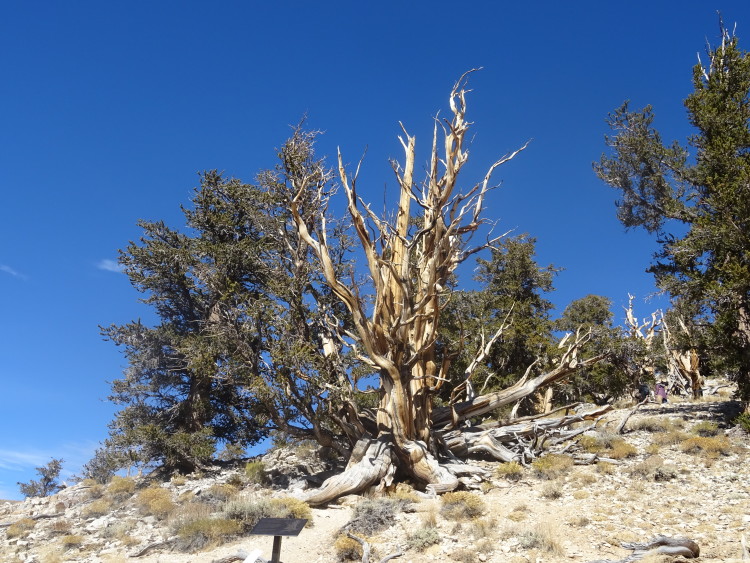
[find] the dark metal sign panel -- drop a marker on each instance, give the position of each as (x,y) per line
(278,527)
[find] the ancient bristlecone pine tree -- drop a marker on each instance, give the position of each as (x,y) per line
(396,335)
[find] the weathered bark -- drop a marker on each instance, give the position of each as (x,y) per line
(371,462)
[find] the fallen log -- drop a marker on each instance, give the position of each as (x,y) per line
(660,545)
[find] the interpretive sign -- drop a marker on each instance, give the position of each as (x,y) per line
(278,527)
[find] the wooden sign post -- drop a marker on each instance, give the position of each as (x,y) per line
(278,527)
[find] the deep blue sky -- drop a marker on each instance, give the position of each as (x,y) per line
(109,110)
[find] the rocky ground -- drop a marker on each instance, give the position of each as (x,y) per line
(678,470)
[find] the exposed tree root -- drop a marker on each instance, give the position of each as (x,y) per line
(374,461)
(371,462)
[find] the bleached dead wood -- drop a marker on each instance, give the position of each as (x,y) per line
(366,550)
(621,427)
(660,545)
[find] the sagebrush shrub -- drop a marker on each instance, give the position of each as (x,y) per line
(255,471)
(423,538)
(373,515)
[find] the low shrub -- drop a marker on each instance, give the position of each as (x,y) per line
(59,527)
(71,541)
(543,536)
(653,469)
(670,437)
(97,508)
(201,532)
(551,466)
(20,529)
(620,449)
(347,549)
(743,421)
(222,491)
(512,471)
(374,515)
(705,428)
(156,501)
(423,538)
(121,488)
(255,471)
(247,510)
(290,507)
(718,445)
(462,505)
(552,491)
(652,424)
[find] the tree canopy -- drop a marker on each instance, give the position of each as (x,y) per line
(696,200)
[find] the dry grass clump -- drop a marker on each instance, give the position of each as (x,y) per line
(20,529)
(705,428)
(248,510)
(60,527)
(579,521)
(620,449)
(121,488)
(71,541)
(178,480)
(236,481)
(605,468)
(95,490)
(290,507)
(552,466)
(206,531)
(197,527)
(652,424)
(512,471)
(653,469)
(155,500)
(222,491)
(670,437)
(404,493)
(99,507)
(552,490)
(710,446)
(483,528)
(347,549)
(462,505)
(543,536)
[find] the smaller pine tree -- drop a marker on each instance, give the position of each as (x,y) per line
(47,484)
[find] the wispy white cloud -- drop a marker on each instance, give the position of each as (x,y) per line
(20,464)
(109,266)
(16,460)
(8,270)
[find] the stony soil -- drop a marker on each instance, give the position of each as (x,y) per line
(584,514)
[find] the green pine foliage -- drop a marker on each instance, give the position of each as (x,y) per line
(243,320)
(47,484)
(696,200)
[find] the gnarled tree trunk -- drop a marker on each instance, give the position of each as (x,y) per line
(410,269)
